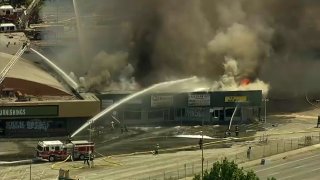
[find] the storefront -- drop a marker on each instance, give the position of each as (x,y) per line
(186,108)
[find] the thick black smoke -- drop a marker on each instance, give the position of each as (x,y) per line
(272,40)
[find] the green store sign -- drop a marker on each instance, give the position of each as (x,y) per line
(19,111)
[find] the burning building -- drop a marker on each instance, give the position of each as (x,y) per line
(186,107)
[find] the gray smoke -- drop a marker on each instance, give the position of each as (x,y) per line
(144,42)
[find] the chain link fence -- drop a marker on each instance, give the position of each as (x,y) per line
(264,147)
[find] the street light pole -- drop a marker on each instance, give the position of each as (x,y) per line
(90,131)
(30,169)
(202,155)
(265,109)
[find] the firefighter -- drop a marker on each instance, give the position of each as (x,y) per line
(24,44)
(227,133)
(86,159)
(249,153)
(91,159)
(237,130)
(156,150)
(69,139)
(112,125)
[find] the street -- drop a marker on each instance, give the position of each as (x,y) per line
(303,166)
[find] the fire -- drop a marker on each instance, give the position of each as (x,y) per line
(245,82)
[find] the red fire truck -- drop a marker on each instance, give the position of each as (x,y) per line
(56,150)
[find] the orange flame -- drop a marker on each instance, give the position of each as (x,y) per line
(245,82)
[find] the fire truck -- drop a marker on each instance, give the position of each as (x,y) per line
(56,150)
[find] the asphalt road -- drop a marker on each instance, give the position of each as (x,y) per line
(304,166)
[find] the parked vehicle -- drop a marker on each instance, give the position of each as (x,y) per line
(56,150)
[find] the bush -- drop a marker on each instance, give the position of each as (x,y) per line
(227,170)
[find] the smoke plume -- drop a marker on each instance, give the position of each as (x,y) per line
(132,44)
(228,81)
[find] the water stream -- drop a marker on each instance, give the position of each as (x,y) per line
(81,35)
(65,77)
(128,98)
(234,112)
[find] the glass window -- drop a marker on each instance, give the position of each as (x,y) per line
(132,115)
(155,114)
(40,148)
(183,112)
(229,112)
(57,148)
(215,113)
(178,112)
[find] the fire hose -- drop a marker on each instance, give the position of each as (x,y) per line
(75,167)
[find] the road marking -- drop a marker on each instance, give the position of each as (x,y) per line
(287,177)
(298,166)
(274,173)
(287,163)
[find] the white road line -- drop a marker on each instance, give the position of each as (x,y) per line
(287,177)
(299,166)
(273,173)
(287,163)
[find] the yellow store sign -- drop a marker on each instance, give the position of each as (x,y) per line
(235,99)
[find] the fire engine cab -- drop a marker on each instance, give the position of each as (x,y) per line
(56,150)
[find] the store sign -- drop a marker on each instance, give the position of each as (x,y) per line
(161,100)
(30,125)
(18,111)
(235,99)
(199,100)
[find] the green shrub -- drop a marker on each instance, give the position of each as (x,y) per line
(227,170)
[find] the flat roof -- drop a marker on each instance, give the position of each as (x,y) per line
(81,142)
(47,143)
(6,7)
(6,24)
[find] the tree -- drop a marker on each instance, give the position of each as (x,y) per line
(227,170)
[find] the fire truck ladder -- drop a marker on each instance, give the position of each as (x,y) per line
(11,63)
(23,20)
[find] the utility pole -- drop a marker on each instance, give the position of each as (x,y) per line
(30,169)
(202,147)
(265,109)
(90,131)
(202,155)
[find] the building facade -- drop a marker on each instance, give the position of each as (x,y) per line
(46,118)
(186,108)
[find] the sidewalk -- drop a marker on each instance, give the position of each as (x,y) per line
(280,156)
